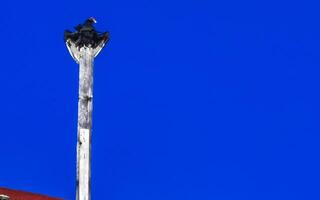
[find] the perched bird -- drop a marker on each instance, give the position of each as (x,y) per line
(87,25)
(86,35)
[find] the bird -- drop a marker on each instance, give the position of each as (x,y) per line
(86,34)
(87,25)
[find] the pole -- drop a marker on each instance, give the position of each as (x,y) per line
(84,47)
(84,123)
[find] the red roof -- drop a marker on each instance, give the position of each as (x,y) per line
(20,195)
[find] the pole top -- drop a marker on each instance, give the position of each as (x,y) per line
(85,36)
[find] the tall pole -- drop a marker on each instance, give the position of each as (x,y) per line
(84,47)
(84,123)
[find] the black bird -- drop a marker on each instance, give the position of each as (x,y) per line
(86,35)
(87,25)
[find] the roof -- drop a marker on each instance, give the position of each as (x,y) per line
(21,195)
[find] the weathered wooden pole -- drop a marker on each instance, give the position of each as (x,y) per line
(84,47)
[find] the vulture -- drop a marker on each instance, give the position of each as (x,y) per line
(86,35)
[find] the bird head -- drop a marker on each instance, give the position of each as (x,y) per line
(92,20)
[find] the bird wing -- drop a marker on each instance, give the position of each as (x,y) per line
(78,28)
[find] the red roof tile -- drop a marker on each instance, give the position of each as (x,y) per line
(21,195)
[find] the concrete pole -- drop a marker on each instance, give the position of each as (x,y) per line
(84,56)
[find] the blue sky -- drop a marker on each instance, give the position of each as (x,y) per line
(193,100)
